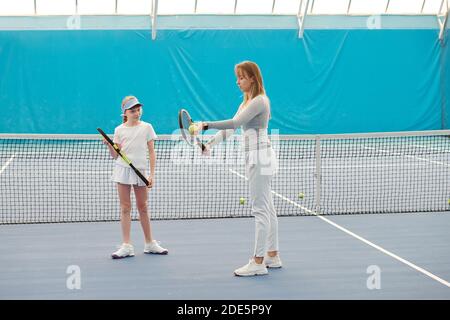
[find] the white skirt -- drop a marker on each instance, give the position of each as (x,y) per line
(126,175)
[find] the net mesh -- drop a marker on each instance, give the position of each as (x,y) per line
(68,178)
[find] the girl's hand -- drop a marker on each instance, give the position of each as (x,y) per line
(206,151)
(112,151)
(151,181)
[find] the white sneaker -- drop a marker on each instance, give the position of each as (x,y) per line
(251,269)
(125,250)
(155,248)
(273,262)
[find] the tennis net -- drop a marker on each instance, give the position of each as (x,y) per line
(67,178)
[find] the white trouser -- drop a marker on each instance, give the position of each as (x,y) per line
(260,173)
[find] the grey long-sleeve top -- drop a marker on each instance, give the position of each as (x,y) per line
(254,120)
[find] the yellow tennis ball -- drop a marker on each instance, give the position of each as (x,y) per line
(192,129)
(448,201)
(301,195)
(242,200)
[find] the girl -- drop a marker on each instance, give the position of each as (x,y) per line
(135,138)
(260,161)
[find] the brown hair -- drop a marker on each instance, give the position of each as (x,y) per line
(250,70)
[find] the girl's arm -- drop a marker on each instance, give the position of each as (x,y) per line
(152,153)
(112,152)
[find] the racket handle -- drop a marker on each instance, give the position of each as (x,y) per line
(140,175)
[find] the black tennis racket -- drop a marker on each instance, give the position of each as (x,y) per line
(124,157)
(185,120)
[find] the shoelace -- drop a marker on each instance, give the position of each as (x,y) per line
(159,247)
(120,246)
(155,242)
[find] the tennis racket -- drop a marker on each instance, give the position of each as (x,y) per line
(124,157)
(185,120)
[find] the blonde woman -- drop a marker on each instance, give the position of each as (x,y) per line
(136,139)
(253,116)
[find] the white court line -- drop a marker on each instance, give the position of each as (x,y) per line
(408,156)
(410,264)
(7,163)
(394,165)
(433,149)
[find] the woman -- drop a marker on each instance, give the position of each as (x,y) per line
(260,161)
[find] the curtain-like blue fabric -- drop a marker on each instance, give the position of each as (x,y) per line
(331,81)
(445,74)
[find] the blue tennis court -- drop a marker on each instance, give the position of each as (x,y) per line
(363,256)
(323,138)
(375,257)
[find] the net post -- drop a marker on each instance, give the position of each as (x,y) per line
(318,175)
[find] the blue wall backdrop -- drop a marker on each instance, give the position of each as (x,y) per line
(445,69)
(332,81)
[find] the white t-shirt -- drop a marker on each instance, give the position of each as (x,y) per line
(133,143)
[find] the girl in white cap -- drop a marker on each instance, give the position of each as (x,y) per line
(260,161)
(135,138)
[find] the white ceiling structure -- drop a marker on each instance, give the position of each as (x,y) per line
(222,7)
(191,14)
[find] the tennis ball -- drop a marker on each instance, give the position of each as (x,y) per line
(242,200)
(301,195)
(448,201)
(192,129)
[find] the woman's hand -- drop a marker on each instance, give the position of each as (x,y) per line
(195,128)
(206,151)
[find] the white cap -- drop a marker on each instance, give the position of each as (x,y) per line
(132,102)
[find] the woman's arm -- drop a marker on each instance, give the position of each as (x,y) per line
(219,137)
(222,135)
(254,108)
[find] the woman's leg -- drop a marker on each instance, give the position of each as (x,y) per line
(125,210)
(141,194)
(260,195)
(272,245)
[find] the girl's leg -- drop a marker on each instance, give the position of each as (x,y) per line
(125,210)
(141,194)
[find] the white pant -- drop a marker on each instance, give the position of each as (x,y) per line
(263,209)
